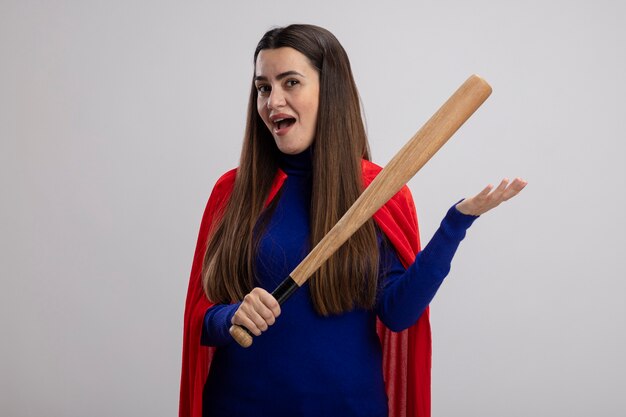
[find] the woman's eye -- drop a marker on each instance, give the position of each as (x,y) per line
(291,83)
(262,88)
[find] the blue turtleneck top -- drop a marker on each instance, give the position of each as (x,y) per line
(306,364)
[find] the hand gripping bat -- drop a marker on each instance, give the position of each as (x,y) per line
(404,165)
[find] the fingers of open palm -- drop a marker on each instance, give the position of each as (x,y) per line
(485,192)
(514,188)
(494,198)
(486,199)
(505,191)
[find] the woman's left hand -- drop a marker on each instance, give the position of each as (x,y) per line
(490,198)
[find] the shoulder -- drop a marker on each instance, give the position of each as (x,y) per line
(369,170)
(225,183)
(221,192)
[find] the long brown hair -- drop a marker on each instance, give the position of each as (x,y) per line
(349,278)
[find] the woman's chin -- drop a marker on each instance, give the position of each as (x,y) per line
(291,148)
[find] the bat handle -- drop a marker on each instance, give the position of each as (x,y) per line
(281,294)
(241,335)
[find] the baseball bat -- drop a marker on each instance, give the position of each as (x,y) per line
(402,167)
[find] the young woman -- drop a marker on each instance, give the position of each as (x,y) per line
(355,339)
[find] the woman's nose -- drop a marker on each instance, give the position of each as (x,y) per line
(276,99)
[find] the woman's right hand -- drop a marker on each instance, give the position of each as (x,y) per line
(257,311)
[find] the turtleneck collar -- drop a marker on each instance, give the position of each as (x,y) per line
(297,165)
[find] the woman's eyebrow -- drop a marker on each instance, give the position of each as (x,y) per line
(279,76)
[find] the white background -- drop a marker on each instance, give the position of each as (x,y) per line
(117,117)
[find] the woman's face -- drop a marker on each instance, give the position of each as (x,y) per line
(288,97)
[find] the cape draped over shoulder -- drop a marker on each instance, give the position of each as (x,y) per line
(406,354)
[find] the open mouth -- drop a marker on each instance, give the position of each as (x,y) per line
(284,123)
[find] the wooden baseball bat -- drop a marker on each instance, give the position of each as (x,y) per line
(404,165)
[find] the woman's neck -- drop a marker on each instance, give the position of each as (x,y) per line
(299,164)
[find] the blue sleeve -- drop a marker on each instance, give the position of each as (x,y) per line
(217,321)
(405,293)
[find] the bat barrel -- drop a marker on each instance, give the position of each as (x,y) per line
(402,167)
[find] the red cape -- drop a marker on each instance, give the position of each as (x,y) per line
(406,355)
